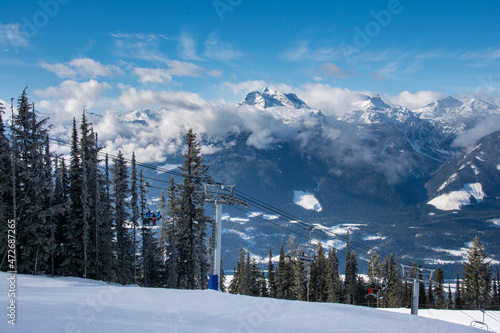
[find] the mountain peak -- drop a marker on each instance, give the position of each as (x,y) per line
(268,98)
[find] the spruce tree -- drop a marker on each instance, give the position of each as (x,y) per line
(6,212)
(439,289)
(191,230)
(107,233)
(33,189)
(351,271)
(458,301)
(134,203)
(124,250)
(333,278)
(271,277)
(477,273)
(170,233)
(73,231)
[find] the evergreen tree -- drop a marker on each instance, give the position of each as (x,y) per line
(107,235)
(61,204)
(395,291)
(33,189)
(430,298)
(191,228)
(170,233)
(134,203)
(449,300)
(6,212)
(477,273)
(271,275)
(319,270)
(238,284)
(351,271)
(124,250)
(334,285)
(439,289)
(422,297)
(73,230)
(458,302)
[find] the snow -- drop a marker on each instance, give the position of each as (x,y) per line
(69,304)
(456,199)
(306,200)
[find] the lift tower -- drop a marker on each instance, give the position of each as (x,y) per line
(219,195)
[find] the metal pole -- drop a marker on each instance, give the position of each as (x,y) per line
(215,279)
(414,301)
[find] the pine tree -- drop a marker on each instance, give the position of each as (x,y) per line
(124,250)
(61,206)
(238,284)
(439,289)
(6,212)
(191,229)
(319,271)
(73,230)
(449,300)
(34,189)
(271,278)
(333,278)
(169,230)
(351,271)
(477,273)
(134,203)
(430,297)
(458,302)
(422,297)
(107,235)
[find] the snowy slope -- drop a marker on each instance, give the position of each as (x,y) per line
(78,305)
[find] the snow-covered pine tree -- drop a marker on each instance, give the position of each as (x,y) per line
(124,249)
(34,189)
(477,272)
(191,229)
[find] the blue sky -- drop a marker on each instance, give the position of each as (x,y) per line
(125,55)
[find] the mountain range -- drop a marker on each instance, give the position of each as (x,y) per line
(401,181)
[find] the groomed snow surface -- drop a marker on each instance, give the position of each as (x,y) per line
(306,200)
(456,199)
(47,304)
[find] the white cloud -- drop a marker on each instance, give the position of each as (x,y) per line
(414,101)
(215,49)
(60,70)
(302,51)
(245,86)
(83,67)
(156,75)
(91,68)
(139,46)
(187,47)
(332,101)
(70,97)
(133,99)
(487,126)
(11,34)
(177,68)
(331,69)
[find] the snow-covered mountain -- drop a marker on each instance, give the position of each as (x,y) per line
(370,170)
(269,98)
(468,177)
(455,116)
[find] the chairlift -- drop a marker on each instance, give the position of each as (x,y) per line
(479,324)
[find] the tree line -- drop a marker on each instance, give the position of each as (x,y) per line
(80,215)
(319,280)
